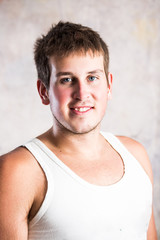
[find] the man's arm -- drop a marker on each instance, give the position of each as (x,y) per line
(138,151)
(16,194)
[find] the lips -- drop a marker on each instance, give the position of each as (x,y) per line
(81,109)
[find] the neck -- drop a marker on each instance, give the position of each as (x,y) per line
(88,143)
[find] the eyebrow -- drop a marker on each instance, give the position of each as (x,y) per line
(59,74)
(63,74)
(96,71)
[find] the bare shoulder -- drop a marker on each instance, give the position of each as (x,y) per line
(19,175)
(20,183)
(14,162)
(17,162)
(16,169)
(18,156)
(139,152)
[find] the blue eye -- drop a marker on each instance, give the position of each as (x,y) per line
(92,78)
(66,80)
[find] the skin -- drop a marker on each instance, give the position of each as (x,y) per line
(78,96)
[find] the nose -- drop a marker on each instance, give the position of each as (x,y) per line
(81,91)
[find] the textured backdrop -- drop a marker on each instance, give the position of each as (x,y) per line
(132,32)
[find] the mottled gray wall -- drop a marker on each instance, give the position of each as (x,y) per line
(132,31)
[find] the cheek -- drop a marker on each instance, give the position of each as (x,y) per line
(61,96)
(101,94)
(102,99)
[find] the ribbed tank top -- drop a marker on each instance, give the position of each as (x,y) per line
(74,209)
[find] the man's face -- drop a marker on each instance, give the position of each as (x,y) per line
(78,92)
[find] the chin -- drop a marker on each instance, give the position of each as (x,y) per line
(79,128)
(83,130)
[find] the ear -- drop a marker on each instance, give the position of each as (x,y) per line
(43,92)
(110,83)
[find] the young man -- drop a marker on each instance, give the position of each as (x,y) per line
(74,182)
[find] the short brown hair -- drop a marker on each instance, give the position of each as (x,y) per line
(63,39)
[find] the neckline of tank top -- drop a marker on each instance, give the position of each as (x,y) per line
(69,171)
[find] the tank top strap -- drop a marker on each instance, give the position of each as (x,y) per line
(40,157)
(130,162)
(115,143)
(119,148)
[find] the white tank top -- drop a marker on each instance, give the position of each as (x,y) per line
(74,209)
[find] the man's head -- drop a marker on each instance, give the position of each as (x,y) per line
(64,39)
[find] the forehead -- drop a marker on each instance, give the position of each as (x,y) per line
(77,62)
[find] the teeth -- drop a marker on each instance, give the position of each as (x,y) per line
(82,109)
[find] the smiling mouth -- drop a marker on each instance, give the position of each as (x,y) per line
(81,109)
